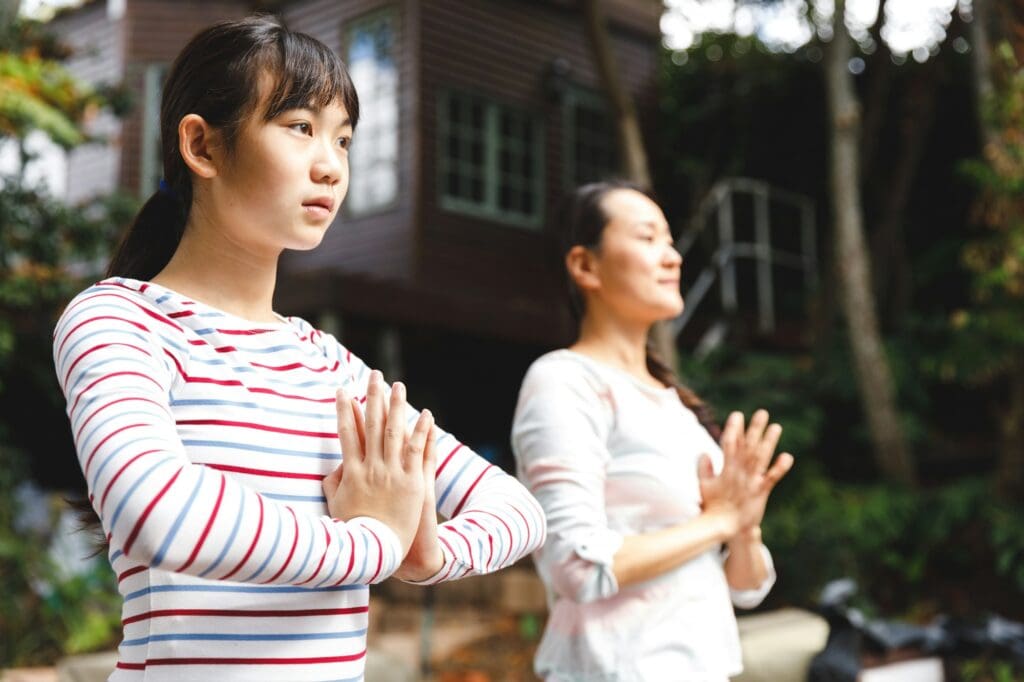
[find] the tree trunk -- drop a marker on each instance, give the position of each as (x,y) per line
(873,374)
(630,137)
(1010,468)
(891,266)
(981,50)
(631,141)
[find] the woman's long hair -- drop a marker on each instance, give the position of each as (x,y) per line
(582,224)
(228,73)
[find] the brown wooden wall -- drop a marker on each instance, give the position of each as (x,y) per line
(155,31)
(379,245)
(501,49)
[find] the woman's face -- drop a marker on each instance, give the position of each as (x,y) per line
(285,179)
(636,264)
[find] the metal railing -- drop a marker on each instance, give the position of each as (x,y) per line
(722,266)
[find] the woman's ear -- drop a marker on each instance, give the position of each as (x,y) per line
(582,267)
(196,145)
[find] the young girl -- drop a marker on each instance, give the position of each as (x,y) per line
(211,430)
(623,460)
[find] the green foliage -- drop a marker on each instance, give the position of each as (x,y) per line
(45,613)
(38,93)
(912,552)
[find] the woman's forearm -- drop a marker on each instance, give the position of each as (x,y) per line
(647,556)
(745,567)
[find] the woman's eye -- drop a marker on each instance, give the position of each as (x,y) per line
(303,128)
(344,142)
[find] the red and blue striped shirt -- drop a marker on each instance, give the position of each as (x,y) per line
(203,439)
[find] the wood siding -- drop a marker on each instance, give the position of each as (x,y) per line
(501,50)
(155,31)
(97,59)
(379,245)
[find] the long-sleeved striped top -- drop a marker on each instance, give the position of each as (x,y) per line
(203,439)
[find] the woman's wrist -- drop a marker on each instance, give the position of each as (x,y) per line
(748,536)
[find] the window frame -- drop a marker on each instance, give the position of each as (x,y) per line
(154,75)
(347,29)
(491,178)
(576,95)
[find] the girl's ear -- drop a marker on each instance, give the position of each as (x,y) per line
(196,145)
(582,267)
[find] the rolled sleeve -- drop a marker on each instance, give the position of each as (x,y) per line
(748,599)
(559,439)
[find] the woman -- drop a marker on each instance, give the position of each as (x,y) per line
(210,429)
(640,500)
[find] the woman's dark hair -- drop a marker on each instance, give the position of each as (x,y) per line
(583,221)
(219,75)
(227,73)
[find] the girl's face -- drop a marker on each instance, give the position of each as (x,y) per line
(636,264)
(282,185)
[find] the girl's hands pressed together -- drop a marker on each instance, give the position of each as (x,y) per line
(382,475)
(738,495)
(425,557)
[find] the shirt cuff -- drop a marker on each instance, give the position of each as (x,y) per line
(446,572)
(748,599)
(390,546)
(598,548)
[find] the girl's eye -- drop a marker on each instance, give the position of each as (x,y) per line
(303,128)
(344,142)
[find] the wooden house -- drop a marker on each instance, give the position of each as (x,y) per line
(476,117)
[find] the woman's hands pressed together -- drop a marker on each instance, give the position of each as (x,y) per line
(387,470)
(738,495)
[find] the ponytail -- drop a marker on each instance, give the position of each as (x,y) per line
(153,237)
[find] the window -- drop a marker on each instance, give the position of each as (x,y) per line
(373,157)
(151,167)
(590,138)
(490,159)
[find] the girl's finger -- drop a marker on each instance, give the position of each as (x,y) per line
(430,454)
(416,444)
(348,433)
(374,417)
(357,416)
(333,480)
(394,427)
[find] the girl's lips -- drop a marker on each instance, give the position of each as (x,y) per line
(316,210)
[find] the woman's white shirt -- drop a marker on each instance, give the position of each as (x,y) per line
(608,456)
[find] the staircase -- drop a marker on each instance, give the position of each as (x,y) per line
(749,239)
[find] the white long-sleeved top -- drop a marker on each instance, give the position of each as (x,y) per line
(203,438)
(608,456)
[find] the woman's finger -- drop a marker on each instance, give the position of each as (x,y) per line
(394,427)
(730,439)
(766,448)
(755,430)
(780,468)
(348,432)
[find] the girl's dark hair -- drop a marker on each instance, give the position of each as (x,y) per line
(220,75)
(227,73)
(583,222)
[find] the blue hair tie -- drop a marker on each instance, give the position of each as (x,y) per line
(166,189)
